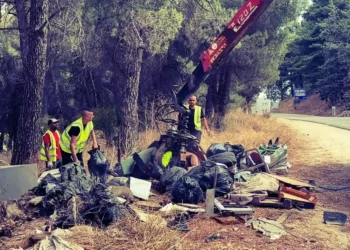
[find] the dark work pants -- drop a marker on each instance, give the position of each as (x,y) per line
(192,146)
(197,134)
(67,158)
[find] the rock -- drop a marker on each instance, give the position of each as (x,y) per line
(36,238)
(142,216)
(12,211)
(37,200)
(121,191)
(120,200)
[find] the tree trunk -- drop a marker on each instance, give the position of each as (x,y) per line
(33,41)
(2,138)
(223,97)
(211,97)
(129,63)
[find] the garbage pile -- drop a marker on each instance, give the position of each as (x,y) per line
(222,164)
(93,200)
(229,179)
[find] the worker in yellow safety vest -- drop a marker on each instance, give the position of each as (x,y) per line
(75,137)
(50,149)
(196,118)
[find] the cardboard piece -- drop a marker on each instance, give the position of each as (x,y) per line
(16,180)
(140,188)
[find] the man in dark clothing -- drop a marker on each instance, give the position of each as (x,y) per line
(75,137)
(196,118)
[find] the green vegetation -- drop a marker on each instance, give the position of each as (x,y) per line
(125,56)
(318,59)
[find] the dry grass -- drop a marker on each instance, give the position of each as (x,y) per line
(248,130)
(5,158)
(126,234)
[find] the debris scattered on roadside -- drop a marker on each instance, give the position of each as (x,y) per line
(227,220)
(271,228)
(122,192)
(142,216)
(140,188)
(55,243)
(179,223)
(148,205)
(213,237)
(234,209)
(283,217)
(238,179)
(173,208)
(334,218)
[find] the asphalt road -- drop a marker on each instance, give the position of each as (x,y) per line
(338,122)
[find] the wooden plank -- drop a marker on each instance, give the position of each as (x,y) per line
(290,181)
(283,217)
(293,197)
(209,201)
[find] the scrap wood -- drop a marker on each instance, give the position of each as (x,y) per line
(312,198)
(142,216)
(173,208)
(284,195)
(290,181)
(283,217)
(148,205)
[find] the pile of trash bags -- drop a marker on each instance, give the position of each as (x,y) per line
(225,153)
(93,198)
(189,187)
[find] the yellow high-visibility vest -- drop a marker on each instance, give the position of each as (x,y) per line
(52,149)
(82,138)
(197,117)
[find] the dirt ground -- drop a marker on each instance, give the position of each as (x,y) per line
(321,155)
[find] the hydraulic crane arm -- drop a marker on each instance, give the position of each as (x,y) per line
(234,31)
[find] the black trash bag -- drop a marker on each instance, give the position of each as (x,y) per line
(98,165)
(227,158)
(74,172)
(40,190)
(217,148)
(157,171)
(205,175)
(187,190)
(170,176)
(238,150)
(74,181)
(101,203)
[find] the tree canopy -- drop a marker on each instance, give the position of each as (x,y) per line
(121,58)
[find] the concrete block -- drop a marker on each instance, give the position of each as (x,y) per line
(16,180)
